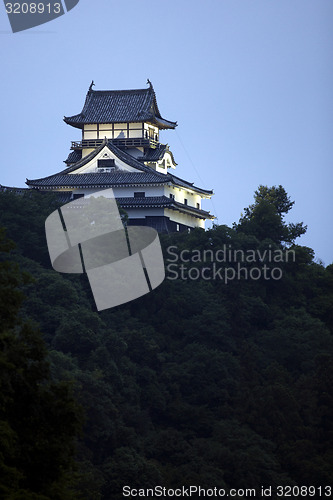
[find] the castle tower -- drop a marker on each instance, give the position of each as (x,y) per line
(120,148)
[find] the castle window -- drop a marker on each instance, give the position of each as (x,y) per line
(185,201)
(172,196)
(139,194)
(106,163)
(198,205)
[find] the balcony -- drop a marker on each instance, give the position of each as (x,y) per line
(121,143)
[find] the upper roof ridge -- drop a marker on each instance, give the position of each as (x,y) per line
(120,106)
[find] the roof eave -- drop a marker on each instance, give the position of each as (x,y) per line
(202,214)
(159,122)
(70,121)
(163,124)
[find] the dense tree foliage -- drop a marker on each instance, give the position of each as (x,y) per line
(264,218)
(202,381)
(38,417)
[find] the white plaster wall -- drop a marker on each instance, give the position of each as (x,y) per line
(90,135)
(92,165)
(87,151)
(120,133)
(129,192)
(192,197)
(92,126)
(135,133)
(88,192)
(135,126)
(168,160)
(185,219)
(136,213)
(160,168)
(89,131)
(105,126)
(120,126)
(175,216)
(148,126)
(179,194)
(105,133)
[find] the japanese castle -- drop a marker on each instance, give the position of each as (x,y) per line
(120,149)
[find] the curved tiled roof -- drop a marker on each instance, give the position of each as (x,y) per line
(145,174)
(189,185)
(145,201)
(153,155)
(117,178)
(120,106)
(96,179)
(161,201)
(74,157)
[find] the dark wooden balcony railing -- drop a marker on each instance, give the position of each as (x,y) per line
(123,142)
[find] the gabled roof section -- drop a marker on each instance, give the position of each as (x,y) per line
(74,157)
(120,106)
(153,155)
(67,178)
(122,155)
(62,179)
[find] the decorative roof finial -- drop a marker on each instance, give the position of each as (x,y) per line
(149,83)
(91,86)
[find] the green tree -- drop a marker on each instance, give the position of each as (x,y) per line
(265,217)
(198,382)
(39,419)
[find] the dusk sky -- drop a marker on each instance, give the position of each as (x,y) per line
(249,82)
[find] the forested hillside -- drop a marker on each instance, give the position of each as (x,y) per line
(214,382)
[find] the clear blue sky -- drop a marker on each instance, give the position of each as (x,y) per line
(249,82)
